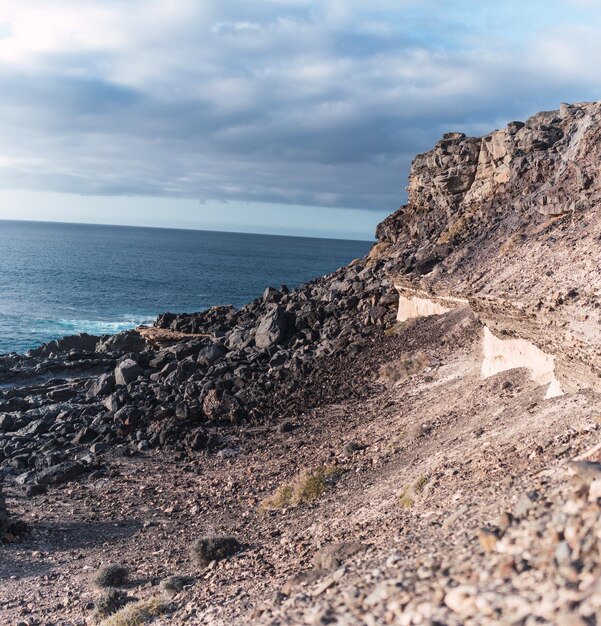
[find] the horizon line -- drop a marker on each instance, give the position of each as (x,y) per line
(182,228)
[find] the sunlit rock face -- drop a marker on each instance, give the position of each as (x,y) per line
(510,222)
(501,355)
(414,307)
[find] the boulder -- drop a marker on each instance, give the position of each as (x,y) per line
(78,343)
(62,473)
(128,341)
(126,372)
(3,514)
(7,423)
(210,354)
(271,329)
(102,386)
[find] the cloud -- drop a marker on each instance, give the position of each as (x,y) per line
(284,101)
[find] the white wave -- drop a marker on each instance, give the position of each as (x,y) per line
(62,327)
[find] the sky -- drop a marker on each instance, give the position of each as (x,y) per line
(280,116)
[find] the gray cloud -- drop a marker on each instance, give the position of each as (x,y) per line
(284,101)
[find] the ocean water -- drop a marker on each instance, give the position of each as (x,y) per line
(63,279)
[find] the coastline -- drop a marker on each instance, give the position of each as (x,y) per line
(376,443)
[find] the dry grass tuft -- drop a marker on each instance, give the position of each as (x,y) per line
(107,602)
(458,228)
(377,252)
(405,498)
(400,327)
(420,484)
(137,613)
(509,244)
(307,486)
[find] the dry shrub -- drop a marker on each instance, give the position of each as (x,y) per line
(137,613)
(307,486)
(107,602)
(407,365)
(113,575)
(175,584)
(208,549)
(377,252)
(420,484)
(399,327)
(405,498)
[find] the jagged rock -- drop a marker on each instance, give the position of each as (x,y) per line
(210,354)
(102,386)
(79,343)
(61,473)
(126,372)
(3,514)
(128,341)
(85,435)
(271,328)
(7,423)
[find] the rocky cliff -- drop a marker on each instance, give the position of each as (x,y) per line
(510,222)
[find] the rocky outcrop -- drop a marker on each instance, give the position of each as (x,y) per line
(509,222)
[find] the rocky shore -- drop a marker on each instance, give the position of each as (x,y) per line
(182,383)
(439,459)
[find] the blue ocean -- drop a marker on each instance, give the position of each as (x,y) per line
(63,279)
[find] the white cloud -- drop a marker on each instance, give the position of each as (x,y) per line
(273,101)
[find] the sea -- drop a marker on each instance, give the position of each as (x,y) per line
(64,279)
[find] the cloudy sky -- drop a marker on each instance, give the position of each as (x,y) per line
(297,116)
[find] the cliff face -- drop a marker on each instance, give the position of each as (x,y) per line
(510,223)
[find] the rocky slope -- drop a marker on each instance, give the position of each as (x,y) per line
(448,379)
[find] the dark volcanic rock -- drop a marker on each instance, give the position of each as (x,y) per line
(272,328)
(210,354)
(80,343)
(61,473)
(129,341)
(126,372)
(102,386)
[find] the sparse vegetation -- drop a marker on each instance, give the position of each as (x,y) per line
(208,549)
(137,613)
(351,447)
(399,327)
(405,498)
(377,252)
(407,365)
(420,484)
(509,244)
(456,229)
(175,584)
(113,575)
(109,601)
(307,486)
